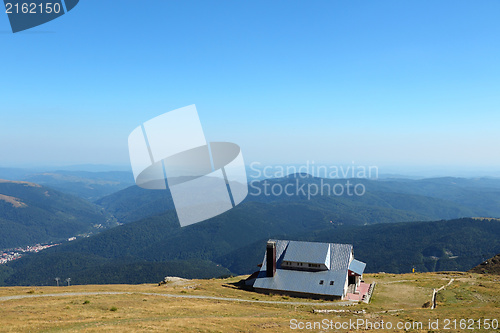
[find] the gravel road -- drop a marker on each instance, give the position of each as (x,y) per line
(340,303)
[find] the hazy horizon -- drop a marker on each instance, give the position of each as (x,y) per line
(382,171)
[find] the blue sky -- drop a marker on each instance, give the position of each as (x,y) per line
(390,83)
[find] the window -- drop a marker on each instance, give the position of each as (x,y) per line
(331,283)
(321,281)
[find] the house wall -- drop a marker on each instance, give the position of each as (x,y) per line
(346,284)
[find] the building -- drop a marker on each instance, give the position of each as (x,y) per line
(309,269)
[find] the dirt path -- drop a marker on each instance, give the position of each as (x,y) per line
(14,297)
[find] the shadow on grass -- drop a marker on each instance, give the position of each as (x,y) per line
(239,285)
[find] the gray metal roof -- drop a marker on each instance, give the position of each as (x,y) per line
(305,281)
(357,266)
(307,252)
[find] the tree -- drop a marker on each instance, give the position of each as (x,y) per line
(68,280)
(57,280)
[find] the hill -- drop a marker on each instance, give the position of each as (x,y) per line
(490,266)
(31,213)
(220,305)
(454,245)
(384,201)
(436,198)
(87,185)
(236,242)
(135,203)
(89,182)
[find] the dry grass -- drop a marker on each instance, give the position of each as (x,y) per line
(472,296)
(19,182)
(17,203)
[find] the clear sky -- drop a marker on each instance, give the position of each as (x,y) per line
(405,83)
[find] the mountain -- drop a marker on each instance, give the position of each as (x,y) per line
(234,240)
(89,269)
(237,240)
(92,184)
(480,197)
(135,203)
(448,245)
(490,266)
(31,213)
(160,239)
(15,173)
(84,184)
(480,194)
(383,201)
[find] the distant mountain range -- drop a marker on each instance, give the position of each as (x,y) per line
(85,184)
(31,213)
(236,244)
(233,242)
(384,201)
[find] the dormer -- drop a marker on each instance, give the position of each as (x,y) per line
(306,256)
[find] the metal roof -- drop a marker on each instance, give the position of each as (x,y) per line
(357,267)
(305,281)
(307,252)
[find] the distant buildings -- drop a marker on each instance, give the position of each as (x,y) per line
(18,252)
(310,269)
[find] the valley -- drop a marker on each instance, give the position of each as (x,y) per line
(133,235)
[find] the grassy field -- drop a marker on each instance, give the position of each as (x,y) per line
(145,308)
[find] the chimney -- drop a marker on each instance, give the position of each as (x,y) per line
(271,259)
